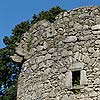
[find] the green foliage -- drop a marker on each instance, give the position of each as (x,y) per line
(76,91)
(76,83)
(48,15)
(10,94)
(17,32)
(6,40)
(21,28)
(8,74)
(9,70)
(29,44)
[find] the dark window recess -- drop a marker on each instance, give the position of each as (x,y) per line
(76,78)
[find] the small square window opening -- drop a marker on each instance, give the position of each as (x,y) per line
(76,78)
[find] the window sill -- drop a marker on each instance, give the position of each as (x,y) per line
(76,87)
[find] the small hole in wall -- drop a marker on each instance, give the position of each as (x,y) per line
(76,78)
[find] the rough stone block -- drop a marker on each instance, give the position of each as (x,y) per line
(17,58)
(95,27)
(70,39)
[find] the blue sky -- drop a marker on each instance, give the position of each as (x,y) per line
(12,12)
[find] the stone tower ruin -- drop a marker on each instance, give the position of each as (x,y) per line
(62,59)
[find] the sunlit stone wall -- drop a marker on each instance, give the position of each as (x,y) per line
(53,51)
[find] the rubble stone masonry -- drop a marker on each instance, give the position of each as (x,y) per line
(59,54)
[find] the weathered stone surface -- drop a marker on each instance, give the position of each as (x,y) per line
(93,94)
(40,59)
(20,51)
(97,81)
(97,42)
(53,52)
(45,45)
(91,50)
(96,32)
(83,80)
(71,39)
(39,48)
(68,81)
(17,58)
(65,97)
(95,27)
(76,66)
(64,53)
(47,56)
(77,26)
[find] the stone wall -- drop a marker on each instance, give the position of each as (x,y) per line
(53,51)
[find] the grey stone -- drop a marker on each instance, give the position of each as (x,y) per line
(72,97)
(83,80)
(76,56)
(17,58)
(57,98)
(93,94)
(77,26)
(85,27)
(95,27)
(69,53)
(97,42)
(98,36)
(50,34)
(91,50)
(84,16)
(20,51)
(52,94)
(63,70)
(49,62)
(77,66)
(71,23)
(39,48)
(66,19)
(97,81)
(39,59)
(70,59)
(45,45)
(33,67)
(98,19)
(65,14)
(96,32)
(45,23)
(68,81)
(71,39)
(87,37)
(52,52)
(47,56)
(86,58)
(64,53)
